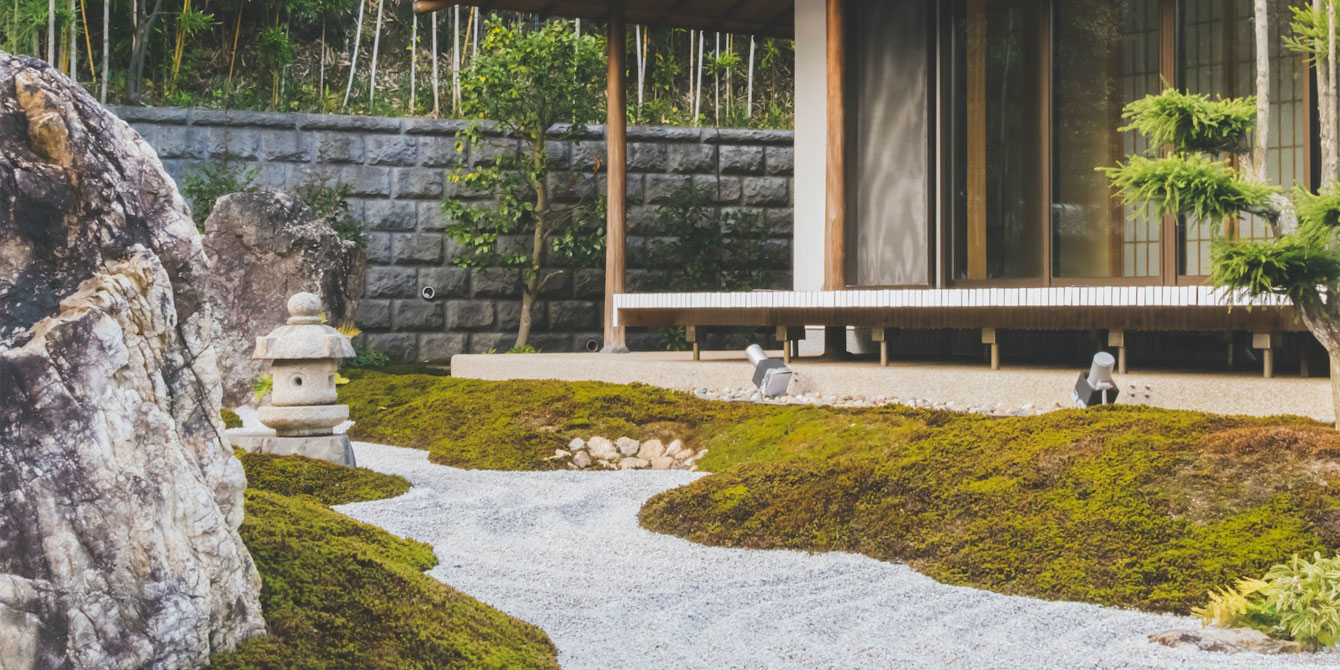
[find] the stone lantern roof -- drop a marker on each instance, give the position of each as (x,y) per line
(304,337)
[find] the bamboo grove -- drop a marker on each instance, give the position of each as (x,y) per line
(368,57)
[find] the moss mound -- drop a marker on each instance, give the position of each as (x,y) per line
(327,483)
(1126,506)
(338,594)
(230,418)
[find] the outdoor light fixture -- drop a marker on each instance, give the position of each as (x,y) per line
(428,293)
(771,376)
(1097,387)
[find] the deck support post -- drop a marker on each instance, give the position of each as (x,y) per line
(989,337)
(883,336)
(694,335)
(790,337)
(616,147)
(1267,343)
(1117,339)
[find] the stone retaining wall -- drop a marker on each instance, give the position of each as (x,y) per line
(397,169)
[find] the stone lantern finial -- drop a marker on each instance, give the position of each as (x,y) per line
(304,357)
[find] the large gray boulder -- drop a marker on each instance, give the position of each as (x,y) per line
(119,501)
(263,247)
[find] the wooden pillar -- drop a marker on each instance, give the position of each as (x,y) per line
(975,64)
(790,337)
(616,146)
(1117,338)
(989,337)
(835,208)
(695,336)
(883,336)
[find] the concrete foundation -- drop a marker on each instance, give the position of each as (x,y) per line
(965,384)
(334,448)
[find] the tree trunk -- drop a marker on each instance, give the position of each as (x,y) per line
(1324,321)
(51,32)
(455,59)
(749,96)
(353,57)
(321,78)
(1262,140)
(532,287)
(139,48)
(1327,102)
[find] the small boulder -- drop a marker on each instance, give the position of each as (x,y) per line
(577,444)
(602,449)
(683,454)
(581,459)
(1226,641)
(651,450)
(633,463)
(627,446)
(674,447)
(662,463)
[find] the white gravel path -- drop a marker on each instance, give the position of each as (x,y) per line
(564,551)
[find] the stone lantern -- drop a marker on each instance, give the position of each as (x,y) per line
(304,357)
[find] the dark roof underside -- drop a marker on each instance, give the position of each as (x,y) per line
(772,18)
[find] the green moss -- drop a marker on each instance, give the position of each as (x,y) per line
(324,482)
(230,418)
(1129,506)
(339,594)
(342,595)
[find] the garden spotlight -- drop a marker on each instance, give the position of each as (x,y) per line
(1097,387)
(771,376)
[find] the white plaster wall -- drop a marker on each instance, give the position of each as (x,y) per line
(811,149)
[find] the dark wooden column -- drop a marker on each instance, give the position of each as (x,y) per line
(616,148)
(835,188)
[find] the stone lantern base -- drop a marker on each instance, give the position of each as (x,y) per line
(334,448)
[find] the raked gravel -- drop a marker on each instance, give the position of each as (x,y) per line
(564,550)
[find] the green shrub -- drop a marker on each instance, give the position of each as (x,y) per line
(1193,123)
(329,200)
(327,483)
(1298,600)
(205,183)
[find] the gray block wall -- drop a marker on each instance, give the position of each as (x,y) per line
(398,168)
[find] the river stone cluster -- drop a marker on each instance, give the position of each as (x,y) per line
(626,453)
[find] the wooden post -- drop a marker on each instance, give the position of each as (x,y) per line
(975,63)
(989,337)
(1117,338)
(695,337)
(883,336)
(790,337)
(616,141)
(1266,342)
(835,228)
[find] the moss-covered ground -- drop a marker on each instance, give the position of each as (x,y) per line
(1127,506)
(342,595)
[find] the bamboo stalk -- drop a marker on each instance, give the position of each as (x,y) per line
(749,96)
(321,78)
(698,95)
(88,41)
(413,59)
(376,42)
(51,32)
(436,101)
(455,59)
(353,57)
(106,47)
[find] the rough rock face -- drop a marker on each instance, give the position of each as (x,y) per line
(263,247)
(119,501)
(1227,641)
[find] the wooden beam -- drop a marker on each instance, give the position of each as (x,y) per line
(835,225)
(616,148)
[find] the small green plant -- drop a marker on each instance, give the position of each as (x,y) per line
(330,201)
(1298,600)
(523,349)
(205,183)
(263,384)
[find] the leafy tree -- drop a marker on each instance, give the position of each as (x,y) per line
(537,85)
(1300,261)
